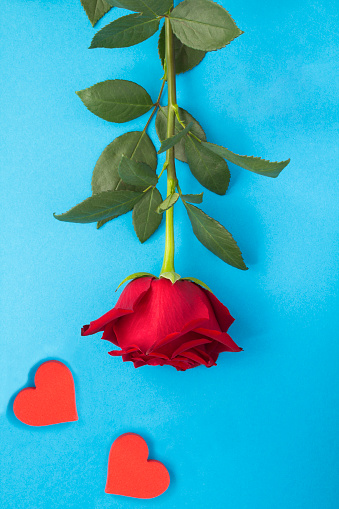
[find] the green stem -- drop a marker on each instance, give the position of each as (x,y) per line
(183,123)
(168,264)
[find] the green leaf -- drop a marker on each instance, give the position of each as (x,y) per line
(197,281)
(126,31)
(192,198)
(155,7)
(136,275)
(145,217)
(136,174)
(135,145)
(168,203)
(203,25)
(186,118)
(255,164)
(104,221)
(173,140)
(116,100)
(208,168)
(185,58)
(95,9)
(101,206)
(215,237)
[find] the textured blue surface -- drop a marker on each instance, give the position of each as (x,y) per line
(259,431)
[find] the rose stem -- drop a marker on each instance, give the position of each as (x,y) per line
(168,264)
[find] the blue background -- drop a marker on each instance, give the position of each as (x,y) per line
(259,431)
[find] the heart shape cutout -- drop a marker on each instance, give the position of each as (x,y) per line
(130,473)
(51,401)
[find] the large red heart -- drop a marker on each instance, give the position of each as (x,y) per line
(52,401)
(130,473)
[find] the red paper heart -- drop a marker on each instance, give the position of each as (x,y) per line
(52,401)
(130,473)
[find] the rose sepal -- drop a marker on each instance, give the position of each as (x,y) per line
(197,281)
(136,275)
(171,275)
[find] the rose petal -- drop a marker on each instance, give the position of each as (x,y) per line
(214,349)
(138,364)
(221,337)
(187,330)
(115,353)
(210,360)
(163,311)
(175,342)
(194,357)
(182,365)
(190,344)
(109,334)
(224,317)
(132,348)
(160,355)
(127,301)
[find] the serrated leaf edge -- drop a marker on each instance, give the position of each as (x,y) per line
(56,216)
(135,15)
(206,144)
(221,226)
(221,47)
(152,190)
(96,20)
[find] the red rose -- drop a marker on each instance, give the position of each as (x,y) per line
(156,322)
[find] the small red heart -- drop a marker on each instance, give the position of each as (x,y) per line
(52,401)
(130,473)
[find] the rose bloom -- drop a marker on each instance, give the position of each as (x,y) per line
(156,322)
